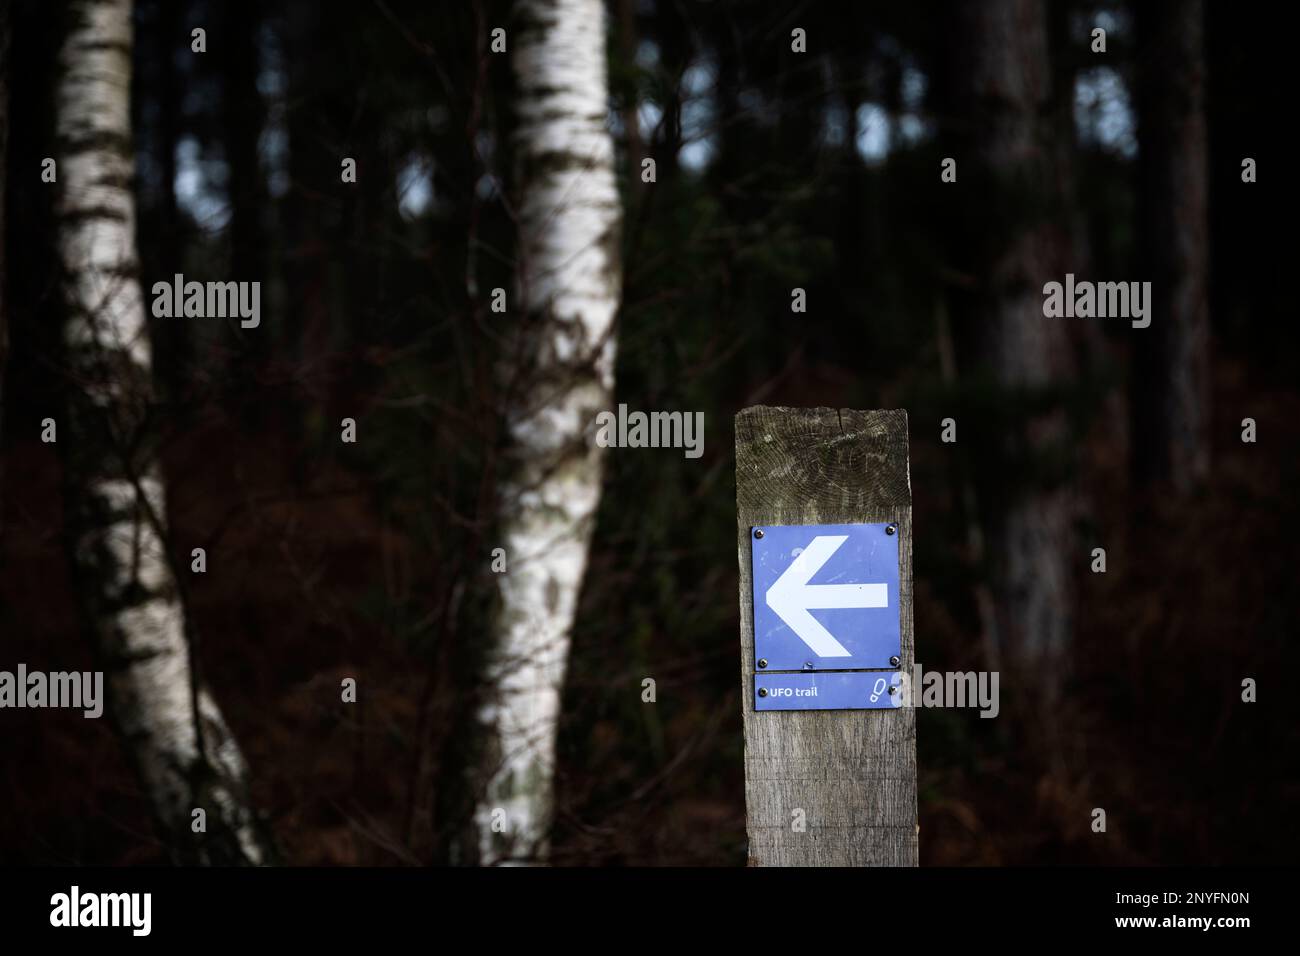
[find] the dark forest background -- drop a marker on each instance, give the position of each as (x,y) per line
(775,170)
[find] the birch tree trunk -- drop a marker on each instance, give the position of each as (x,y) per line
(174,732)
(561,376)
(1171,393)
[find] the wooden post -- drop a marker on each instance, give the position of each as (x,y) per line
(851,772)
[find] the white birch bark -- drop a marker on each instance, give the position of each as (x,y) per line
(115,494)
(563,374)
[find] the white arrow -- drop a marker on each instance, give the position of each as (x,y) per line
(791,596)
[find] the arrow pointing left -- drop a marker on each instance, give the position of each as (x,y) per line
(791,596)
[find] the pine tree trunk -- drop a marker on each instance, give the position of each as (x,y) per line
(242,115)
(173,342)
(4,288)
(174,732)
(1171,386)
(561,376)
(1000,91)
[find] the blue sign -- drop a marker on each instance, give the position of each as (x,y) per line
(847,690)
(825,597)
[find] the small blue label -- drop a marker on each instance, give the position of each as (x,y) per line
(850,690)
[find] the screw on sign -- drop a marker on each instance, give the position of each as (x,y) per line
(831,590)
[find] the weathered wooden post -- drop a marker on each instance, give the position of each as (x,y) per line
(830,757)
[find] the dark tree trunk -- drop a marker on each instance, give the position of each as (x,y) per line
(671,36)
(304,293)
(634,148)
(1171,401)
(4,166)
(320,210)
(162,236)
(1006,244)
(243,128)
(242,123)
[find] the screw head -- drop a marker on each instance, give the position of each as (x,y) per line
(807,665)
(762,692)
(893,691)
(891,529)
(893,661)
(762,662)
(758,532)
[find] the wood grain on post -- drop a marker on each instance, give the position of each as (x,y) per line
(851,772)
